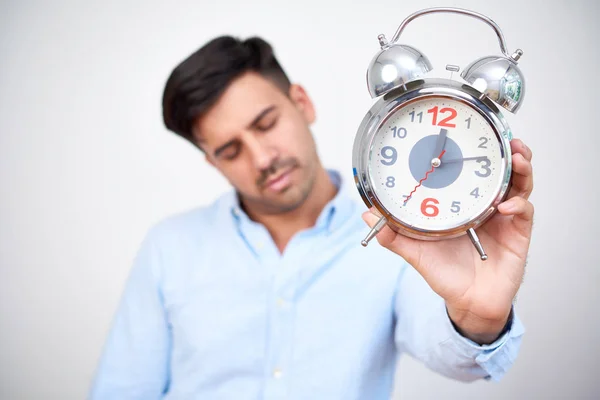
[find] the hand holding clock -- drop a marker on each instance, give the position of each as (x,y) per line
(478,294)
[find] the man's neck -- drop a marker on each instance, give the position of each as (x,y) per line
(283,227)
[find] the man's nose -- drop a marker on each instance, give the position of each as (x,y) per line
(262,153)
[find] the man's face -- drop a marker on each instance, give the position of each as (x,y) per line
(259,139)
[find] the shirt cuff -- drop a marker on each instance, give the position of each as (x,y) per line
(495,358)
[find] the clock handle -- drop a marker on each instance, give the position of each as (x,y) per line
(477,244)
(374,231)
(454,11)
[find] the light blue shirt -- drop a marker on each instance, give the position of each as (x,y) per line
(212,310)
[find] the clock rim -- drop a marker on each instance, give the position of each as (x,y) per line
(401,97)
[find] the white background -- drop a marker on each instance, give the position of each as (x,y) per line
(86,166)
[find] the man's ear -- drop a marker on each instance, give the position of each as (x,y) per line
(302,102)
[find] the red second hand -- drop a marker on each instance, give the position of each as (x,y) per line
(421,181)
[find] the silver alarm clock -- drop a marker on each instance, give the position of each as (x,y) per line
(432,155)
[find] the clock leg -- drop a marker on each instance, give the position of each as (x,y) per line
(477,243)
(374,231)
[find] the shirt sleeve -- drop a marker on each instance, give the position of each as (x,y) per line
(424,330)
(134,360)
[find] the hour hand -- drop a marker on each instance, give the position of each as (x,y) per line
(440,143)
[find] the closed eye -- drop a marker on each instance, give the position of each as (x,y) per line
(231,152)
(266,125)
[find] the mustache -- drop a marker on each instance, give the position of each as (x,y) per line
(274,168)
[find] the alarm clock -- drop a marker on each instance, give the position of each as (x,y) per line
(432,156)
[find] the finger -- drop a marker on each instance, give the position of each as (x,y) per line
(522,179)
(522,212)
(518,147)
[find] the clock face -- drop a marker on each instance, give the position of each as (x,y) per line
(436,164)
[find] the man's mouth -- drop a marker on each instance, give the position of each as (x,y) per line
(279,181)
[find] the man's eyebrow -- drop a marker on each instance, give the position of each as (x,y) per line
(256,120)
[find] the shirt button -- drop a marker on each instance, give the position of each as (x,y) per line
(281,302)
(277,373)
(259,245)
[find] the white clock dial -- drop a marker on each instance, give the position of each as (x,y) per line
(436,164)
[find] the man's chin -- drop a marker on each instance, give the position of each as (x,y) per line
(286,200)
(282,196)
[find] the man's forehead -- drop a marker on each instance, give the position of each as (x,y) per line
(239,104)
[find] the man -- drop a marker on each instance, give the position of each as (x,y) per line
(267,293)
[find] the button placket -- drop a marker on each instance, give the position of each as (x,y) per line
(281,327)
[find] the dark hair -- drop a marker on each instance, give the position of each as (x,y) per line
(198,81)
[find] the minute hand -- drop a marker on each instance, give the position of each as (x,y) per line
(455,160)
